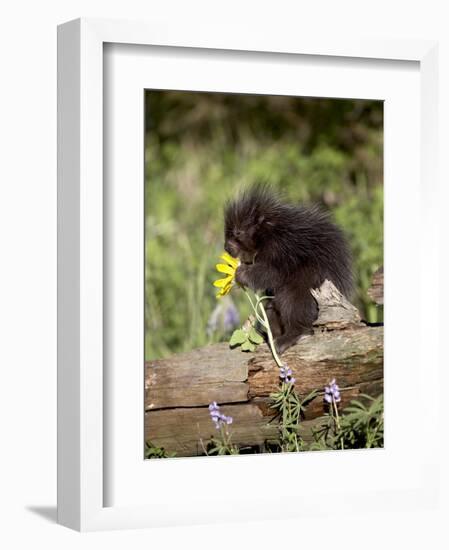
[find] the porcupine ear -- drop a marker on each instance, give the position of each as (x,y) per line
(268,200)
(263,222)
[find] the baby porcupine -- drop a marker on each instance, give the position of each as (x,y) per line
(285,250)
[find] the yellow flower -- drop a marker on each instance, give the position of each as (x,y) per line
(228,269)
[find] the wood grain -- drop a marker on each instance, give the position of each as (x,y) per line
(212,373)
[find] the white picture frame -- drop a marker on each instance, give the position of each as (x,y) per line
(180,495)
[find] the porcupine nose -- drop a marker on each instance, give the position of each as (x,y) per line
(231,249)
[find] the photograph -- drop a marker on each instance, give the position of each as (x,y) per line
(263,274)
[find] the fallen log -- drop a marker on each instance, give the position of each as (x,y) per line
(179,389)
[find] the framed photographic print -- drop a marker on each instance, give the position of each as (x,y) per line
(223,320)
(215,167)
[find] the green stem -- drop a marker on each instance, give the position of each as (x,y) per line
(269,333)
(258,317)
(263,320)
(337,421)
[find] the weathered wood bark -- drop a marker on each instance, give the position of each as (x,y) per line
(335,311)
(179,389)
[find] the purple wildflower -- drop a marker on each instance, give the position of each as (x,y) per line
(332,392)
(218,418)
(224,318)
(285,375)
(231,318)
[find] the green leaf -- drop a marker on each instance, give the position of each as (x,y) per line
(248,346)
(255,337)
(238,337)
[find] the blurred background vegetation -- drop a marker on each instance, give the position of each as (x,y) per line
(200,148)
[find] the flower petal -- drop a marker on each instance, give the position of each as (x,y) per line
(220,283)
(234,262)
(222,268)
(225,290)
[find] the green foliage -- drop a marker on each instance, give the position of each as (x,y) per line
(248,340)
(151,451)
(289,409)
(361,216)
(221,446)
(201,147)
(255,337)
(238,337)
(248,346)
(361,426)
